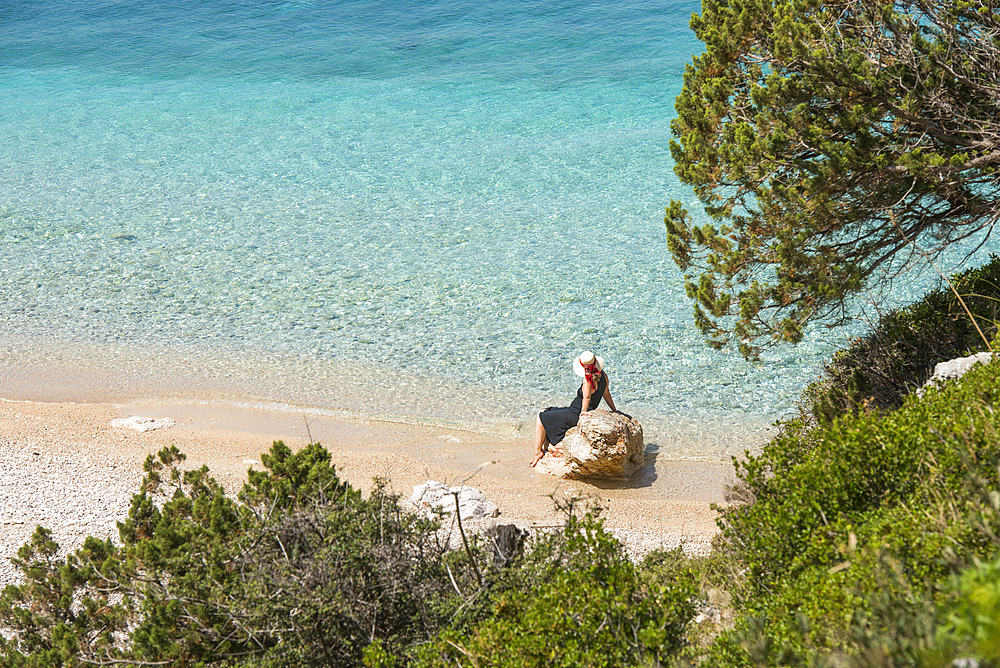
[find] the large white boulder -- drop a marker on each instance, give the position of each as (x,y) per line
(955,368)
(601,445)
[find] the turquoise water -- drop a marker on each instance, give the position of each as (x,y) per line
(407,208)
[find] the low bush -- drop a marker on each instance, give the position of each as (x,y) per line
(588,606)
(971,618)
(866,507)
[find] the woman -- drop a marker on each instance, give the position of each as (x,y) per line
(553,423)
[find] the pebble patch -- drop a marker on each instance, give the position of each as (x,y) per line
(73,495)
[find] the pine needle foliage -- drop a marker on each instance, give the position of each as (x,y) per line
(831,143)
(301,570)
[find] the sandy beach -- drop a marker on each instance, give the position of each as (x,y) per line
(67,468)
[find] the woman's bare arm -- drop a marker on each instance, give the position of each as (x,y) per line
(607,396)
(587,391)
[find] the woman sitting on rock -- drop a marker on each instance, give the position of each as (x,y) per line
(553,423)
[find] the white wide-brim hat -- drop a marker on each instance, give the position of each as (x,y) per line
(588,358)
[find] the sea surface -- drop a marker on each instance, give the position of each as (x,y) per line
(416,210)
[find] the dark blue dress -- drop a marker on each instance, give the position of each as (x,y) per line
(557,421)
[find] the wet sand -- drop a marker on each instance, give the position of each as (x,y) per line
(666,504)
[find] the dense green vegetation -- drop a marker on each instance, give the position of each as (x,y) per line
(301,570)
(862,520)
(867,533)
(858,521)
(829,142)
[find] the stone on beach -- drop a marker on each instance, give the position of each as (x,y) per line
(602,445)
(143,423)
(434,498)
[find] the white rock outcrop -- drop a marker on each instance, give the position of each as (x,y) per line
(434,498)
(601,445)
(955,368)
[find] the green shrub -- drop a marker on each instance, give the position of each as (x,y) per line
(164,594)
(856,468)
(867,507)
(330,572)
(304,572)
(589,606)
(849,526)
(971,621)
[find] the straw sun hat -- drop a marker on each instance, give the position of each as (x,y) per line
(587,357)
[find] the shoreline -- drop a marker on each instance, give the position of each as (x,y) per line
(47,369)
(70,470)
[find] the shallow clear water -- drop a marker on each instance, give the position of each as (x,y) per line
(409,208)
